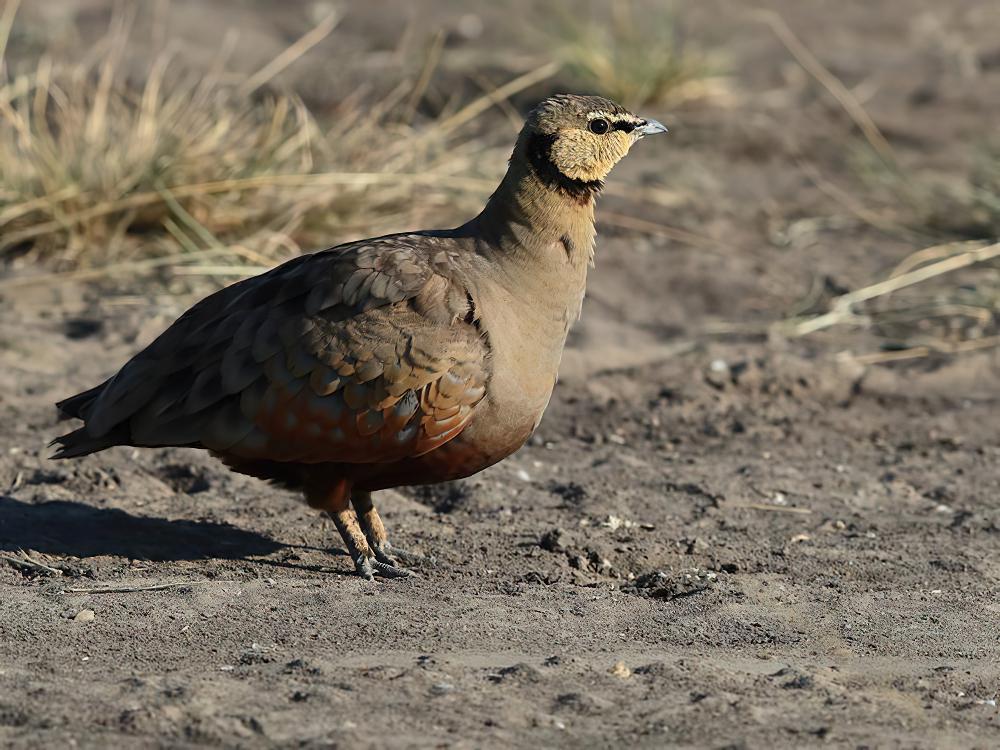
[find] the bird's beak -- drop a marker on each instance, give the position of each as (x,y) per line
(651,127)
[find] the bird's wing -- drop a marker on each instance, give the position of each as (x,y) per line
(364,353)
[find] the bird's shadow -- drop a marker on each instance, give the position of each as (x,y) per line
(60,527)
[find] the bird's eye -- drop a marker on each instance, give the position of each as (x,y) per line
(599,125)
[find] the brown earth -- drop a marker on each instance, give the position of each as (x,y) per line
(714,540)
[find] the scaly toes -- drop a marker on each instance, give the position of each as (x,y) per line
(364,567)
(391,551)
(369,567)
(382,555)
(388,570)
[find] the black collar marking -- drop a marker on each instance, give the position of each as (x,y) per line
(540,158)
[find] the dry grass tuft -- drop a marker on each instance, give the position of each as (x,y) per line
(635,61)
(944,299)
(77,150)
(949,301)
(97,172)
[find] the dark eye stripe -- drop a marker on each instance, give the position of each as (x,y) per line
(625,126)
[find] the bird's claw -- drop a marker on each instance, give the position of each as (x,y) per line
(389,554)
(369,567)
(364,536)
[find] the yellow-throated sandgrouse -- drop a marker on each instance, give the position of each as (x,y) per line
(407,359)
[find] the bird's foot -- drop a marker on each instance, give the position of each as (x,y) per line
(367,562)
(389,553)
(370,566)
(374,533)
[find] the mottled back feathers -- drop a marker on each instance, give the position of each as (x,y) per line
(357,354)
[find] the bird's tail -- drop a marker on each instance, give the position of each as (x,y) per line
(79,442)
(79,406)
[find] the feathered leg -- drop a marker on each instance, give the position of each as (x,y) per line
(334,499)
(374,531)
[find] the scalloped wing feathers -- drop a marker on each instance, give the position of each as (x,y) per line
(358,354)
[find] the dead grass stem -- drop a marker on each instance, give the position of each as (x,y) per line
(921,308)
(811,64)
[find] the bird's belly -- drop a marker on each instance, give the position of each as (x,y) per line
(493,434)
(497,431)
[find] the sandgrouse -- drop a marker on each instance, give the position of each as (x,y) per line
(407,359)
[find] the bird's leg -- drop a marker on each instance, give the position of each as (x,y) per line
(374,531)
(367,562)
(336,502)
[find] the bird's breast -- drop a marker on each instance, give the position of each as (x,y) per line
(526,330)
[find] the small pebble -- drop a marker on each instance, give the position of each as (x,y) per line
(620,671)
(85,615)
(470,26)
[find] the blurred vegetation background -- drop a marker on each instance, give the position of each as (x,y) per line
(193,144)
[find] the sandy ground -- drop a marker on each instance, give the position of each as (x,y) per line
(712,541)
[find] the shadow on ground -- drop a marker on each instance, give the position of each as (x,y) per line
(71,528)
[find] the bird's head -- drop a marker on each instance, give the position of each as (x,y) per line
(572,142)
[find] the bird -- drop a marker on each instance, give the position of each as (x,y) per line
(407,359)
